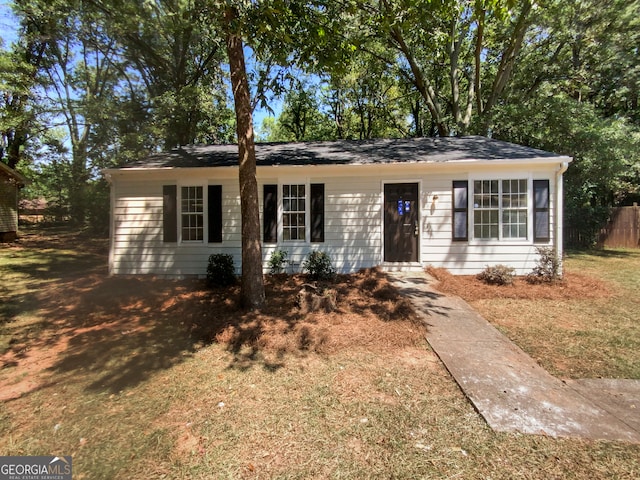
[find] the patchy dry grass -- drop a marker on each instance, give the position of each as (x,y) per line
(148,378)
(585,326)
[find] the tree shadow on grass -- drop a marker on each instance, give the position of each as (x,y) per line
(112,333)
(123,330)
(107,333)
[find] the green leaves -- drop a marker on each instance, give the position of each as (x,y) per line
(561,75)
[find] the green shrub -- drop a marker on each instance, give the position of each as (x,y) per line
(220,270)
(497,275)
(547,269)
(278,261)
(318,264)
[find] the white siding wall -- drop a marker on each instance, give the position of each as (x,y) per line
(353,230)
(137,245)
(473,256)
(353,220)
(8,205)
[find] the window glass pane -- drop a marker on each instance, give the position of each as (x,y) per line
(522,217)
(192,218)
(500,208)
(523,185)
(294,216)
(523,200)
(514,223)
(514,208)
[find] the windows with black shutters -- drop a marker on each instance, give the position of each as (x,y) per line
(185,218)
(303,212)
(501,209)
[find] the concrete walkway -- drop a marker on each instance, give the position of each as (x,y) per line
(507,387)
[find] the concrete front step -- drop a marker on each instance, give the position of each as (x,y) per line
(401,267)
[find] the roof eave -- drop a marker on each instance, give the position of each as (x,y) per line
(108,172)
(20,179)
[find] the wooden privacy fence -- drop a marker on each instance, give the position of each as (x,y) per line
(622,229)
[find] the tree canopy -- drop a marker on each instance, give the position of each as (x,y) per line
(102,82)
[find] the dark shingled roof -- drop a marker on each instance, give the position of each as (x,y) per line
(15,176)
(348,152)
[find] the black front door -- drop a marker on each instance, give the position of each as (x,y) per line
(401,227)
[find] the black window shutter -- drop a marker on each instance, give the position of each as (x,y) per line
(270,214)
(215,213)
(169,213)
(541,221)
(317,212)
(460,210)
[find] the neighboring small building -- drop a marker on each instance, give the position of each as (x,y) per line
(33,210)
(10,184)
(459,203)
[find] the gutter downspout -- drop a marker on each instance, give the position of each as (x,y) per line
(559,220)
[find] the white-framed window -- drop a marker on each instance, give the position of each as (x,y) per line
(500,209)
(514,208)
(192,213)
(294,212)
(486,209)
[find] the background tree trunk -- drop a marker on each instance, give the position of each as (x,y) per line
(252,285)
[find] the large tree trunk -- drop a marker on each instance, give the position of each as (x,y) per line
(79,177)
(252,285)
(13,150)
